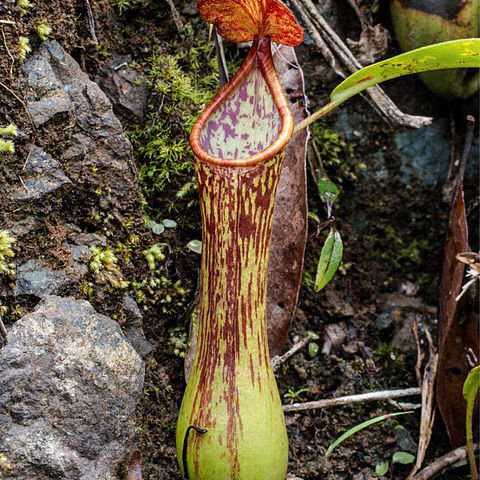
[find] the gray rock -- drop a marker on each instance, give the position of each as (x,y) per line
(384,321)
(69,383)
(44,178)
(127,91)
(54,106)
(90,239)
(134,326)
(35,279)
(404,339)
(92,149)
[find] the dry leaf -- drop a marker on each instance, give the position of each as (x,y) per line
(458,329)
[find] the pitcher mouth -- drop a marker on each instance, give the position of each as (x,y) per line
(260,54)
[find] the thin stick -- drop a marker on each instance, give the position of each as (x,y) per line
(317,38)
(91,22)
(381,102)
(443,463)
(279,360)
(23,105)
(3,331)
(362,397)
(427,384)
(7,22)
(12,64)
(176,16)
(221,61)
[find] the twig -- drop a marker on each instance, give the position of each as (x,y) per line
(427,384)
(317,38)
(23,105)
(443,462)
(7,22)
(378,98)
(3,331)
(176,16)
(12,64)
(221,61)
(404,405)
(91,22)
(279,360)
(362,397)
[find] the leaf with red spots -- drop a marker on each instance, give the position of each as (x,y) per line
(458,328)
(241,20)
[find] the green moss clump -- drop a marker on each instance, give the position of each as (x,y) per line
(6,252)
(336,153)
(183,78)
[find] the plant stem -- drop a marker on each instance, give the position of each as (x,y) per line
(363,397)
(315,116)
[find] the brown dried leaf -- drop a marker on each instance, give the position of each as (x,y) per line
(458,329)
(289,233)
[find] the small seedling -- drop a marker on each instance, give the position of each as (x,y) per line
(356,429)
(470,390)
(313,349)
(195,246)
(294,396)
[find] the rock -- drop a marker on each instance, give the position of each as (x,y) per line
(134,326)
(90,239)
(405,440)
(335,335)
(404,339)
(84,133)
(384,321)
(365,474)
(35,279)
(44,179)
(54,106)
(125,88)
(69,383)
(394,301)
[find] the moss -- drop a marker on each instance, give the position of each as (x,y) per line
(6,252)
(104,266)
(336,153)
(183,78)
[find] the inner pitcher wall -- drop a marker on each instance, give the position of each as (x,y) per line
(246,122)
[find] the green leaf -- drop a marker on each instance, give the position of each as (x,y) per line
(195,246)
(330,258)
(327,189)
(381,468)
(359,427)
(470,389)
(464,53)
(167,223)
(313,216)
(157,228)
(404,458)
(313,349)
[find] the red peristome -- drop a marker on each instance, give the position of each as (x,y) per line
(241,20)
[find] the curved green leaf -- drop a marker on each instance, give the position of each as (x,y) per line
(403,457)
(464,53)
(359,427)
(470,389)
(330,259)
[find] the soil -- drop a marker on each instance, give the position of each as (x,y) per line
(366,214)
